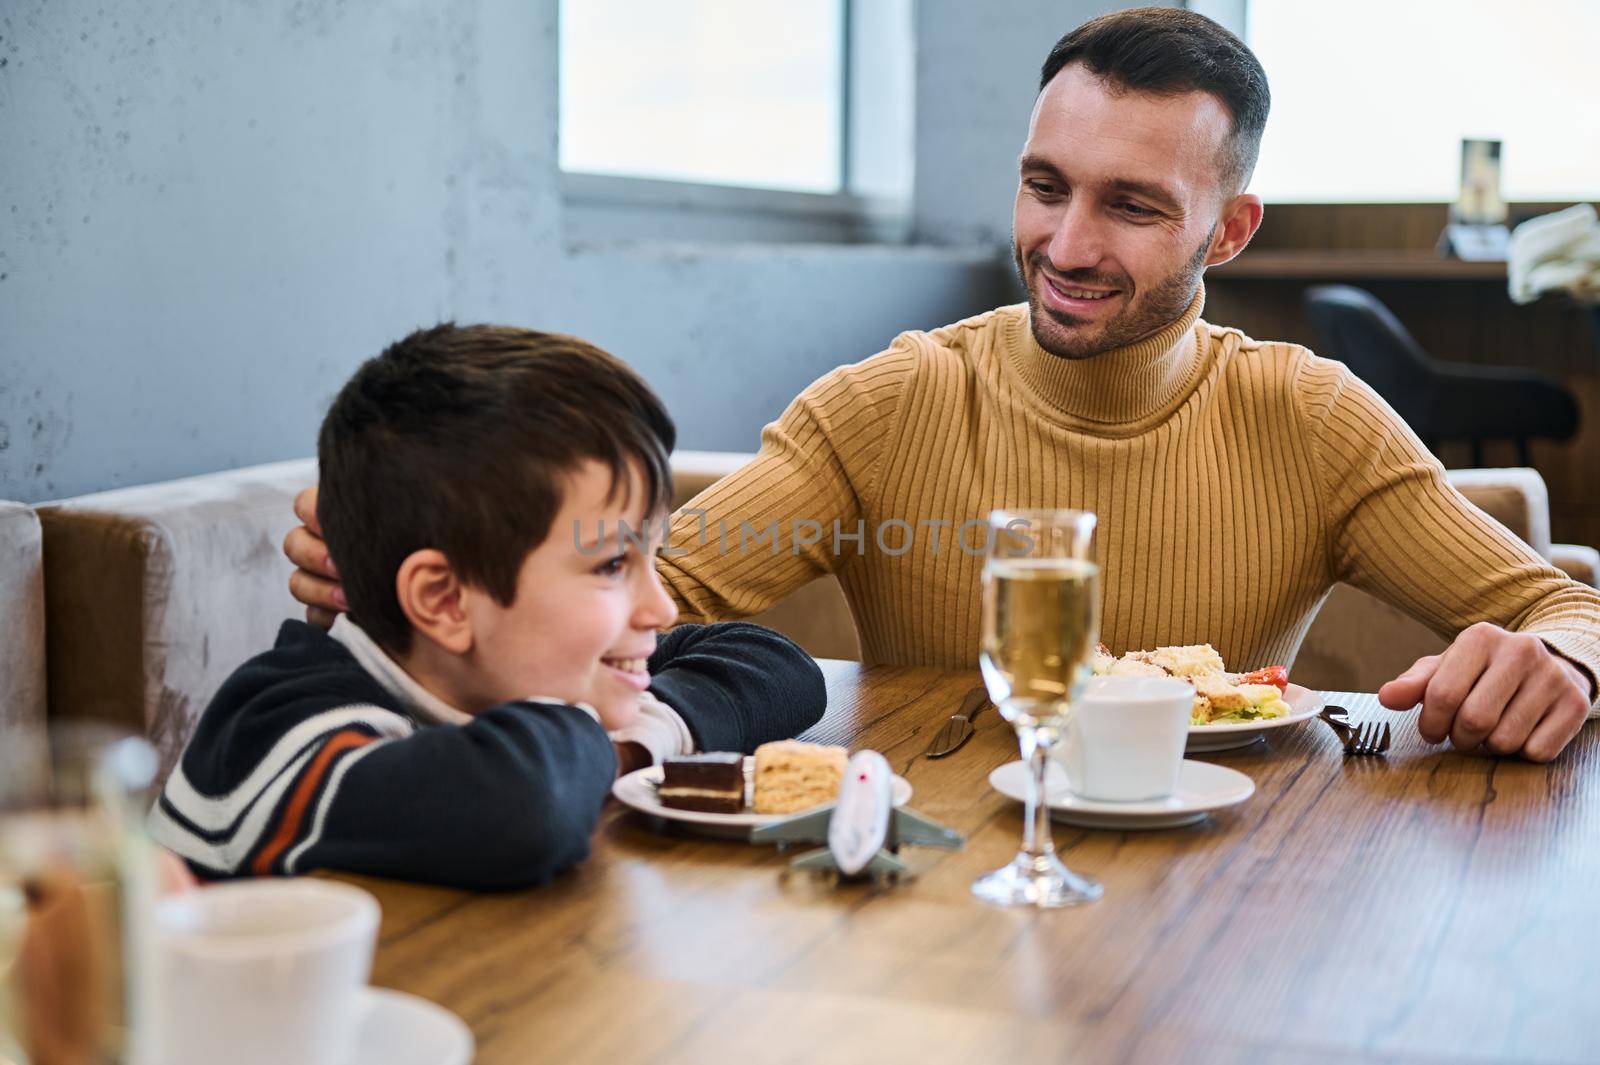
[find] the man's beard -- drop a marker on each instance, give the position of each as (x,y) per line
(1139,318)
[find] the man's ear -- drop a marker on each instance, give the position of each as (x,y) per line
(1241,217)
(432,597)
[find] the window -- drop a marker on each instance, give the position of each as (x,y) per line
(1371,98)
(732,119)
(721,91)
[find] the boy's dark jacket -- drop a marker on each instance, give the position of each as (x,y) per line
(304,761)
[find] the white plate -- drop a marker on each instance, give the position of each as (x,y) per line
(1202,787)
(638,790)
(1304,704)
(402,1029)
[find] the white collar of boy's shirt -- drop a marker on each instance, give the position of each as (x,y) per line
(400,684)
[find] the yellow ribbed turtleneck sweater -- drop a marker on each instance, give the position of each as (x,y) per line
(1235,482)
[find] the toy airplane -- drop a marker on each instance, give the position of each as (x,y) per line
(863,828)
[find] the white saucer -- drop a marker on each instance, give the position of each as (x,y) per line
(402,1029)
(1304,704)
(1202,787)
(638,790)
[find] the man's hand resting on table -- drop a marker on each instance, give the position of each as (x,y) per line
(1506,691)
(315,581)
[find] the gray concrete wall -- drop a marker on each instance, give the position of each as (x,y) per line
(977,76)
(209,213)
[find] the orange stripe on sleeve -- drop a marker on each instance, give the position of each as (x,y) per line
(294,813)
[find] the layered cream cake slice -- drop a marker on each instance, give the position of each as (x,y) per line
(792,775)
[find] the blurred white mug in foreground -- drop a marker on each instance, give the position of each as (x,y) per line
(259,972)
(1125,738)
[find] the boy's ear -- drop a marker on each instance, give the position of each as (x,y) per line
(431,595)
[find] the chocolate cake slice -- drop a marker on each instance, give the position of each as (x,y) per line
(711,783)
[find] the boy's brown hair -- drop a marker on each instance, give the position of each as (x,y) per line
(459,438)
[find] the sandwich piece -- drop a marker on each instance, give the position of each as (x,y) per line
(1193,660)
(1133,667)
(709,783)
(1223,696)
(792,775)
(1217,700)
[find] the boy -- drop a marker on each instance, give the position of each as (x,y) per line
(500,663)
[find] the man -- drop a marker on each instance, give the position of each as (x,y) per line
(1235,481)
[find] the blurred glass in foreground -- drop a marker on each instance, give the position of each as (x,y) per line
(75,867)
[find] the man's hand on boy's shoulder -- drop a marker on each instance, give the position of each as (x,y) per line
(315,581)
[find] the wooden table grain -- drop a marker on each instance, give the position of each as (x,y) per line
(1423,907)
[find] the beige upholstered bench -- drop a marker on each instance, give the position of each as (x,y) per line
(155,594)
(22,662)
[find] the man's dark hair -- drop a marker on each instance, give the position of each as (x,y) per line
(1168,51)
(460,438)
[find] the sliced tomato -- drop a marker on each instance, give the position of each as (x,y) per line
(1277,676)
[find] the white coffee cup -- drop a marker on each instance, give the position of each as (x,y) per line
(261,972)
(1125,737)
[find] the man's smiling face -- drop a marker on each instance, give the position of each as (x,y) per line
(1118,201)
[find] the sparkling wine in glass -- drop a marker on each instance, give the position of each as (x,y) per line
(1041,618)
(76,878)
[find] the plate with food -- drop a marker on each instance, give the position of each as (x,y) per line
(1230,709)
(723,793)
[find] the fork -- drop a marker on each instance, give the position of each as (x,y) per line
(1369,738)
(958,730)
(1337,718)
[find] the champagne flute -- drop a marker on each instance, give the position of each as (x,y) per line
(75,881)
(1041,618)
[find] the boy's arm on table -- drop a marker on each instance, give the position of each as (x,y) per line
(508,799)
(737,685)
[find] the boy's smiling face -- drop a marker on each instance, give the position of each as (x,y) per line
(583,620)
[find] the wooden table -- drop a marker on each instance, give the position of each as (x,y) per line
(1424,907)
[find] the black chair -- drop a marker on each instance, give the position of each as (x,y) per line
(1439,400)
